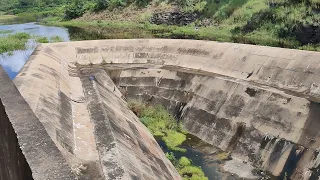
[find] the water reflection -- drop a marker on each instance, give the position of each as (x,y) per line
(13,62)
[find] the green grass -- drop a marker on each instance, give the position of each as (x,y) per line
(52,39)
(42,40)
(13,42)
(18,41)
(6,17)
(6,31)
(55,39)
(274,23)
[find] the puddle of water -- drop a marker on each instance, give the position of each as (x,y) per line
(201,154)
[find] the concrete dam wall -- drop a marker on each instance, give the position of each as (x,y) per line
(261,104)
(26,150)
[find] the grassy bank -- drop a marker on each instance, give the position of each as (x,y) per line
(277,23)
(6,17)
(213,33)
(162,125)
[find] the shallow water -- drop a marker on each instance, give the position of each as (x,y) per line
(201,154)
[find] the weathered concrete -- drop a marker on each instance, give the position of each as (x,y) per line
(89,122)
(260,103)
(26,150)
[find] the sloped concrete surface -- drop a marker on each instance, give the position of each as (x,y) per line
(26,150)
(89,123)
(259,103)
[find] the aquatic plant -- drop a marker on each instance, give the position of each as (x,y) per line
(42,40)
(184,161)
(173,139)
(192,173)
(163,125)
(55,39)
(185,168)
(13,42)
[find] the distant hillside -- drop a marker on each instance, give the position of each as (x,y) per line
(284,23)
(292,21)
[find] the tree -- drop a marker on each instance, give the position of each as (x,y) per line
(74,9)
(101,4)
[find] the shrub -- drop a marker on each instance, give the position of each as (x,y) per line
(173,139)
(5,31)
(171,157)
(56,39)
(192,173)
(42,40)
(101,4)
(183,162)
(74,9)
(142,3)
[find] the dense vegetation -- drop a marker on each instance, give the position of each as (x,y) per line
(162,125)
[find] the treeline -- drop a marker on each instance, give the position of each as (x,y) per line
(75,8)
(20,6)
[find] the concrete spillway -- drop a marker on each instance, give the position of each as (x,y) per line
(259,103)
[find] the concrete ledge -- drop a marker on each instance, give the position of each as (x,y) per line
(40,152)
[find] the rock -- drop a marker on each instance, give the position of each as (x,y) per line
(174,18)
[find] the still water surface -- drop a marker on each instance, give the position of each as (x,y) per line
(12,63)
